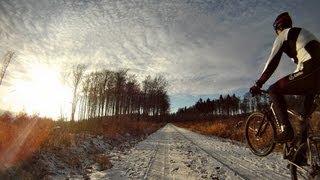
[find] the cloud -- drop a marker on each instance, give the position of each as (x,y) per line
(203,47)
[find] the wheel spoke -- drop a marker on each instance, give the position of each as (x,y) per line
(259,134)
(252,129)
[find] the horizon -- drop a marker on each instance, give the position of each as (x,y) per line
(203,49)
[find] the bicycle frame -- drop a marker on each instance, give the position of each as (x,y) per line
(295,114)
(312,141)
(296,150)
(262,126)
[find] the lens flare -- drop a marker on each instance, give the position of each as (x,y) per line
(43,93)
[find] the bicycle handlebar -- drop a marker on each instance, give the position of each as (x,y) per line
(261,91)
(264,91)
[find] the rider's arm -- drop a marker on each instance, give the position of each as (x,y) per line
(273,60)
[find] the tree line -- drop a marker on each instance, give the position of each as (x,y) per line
(111,93)
(229,105)
(226,105)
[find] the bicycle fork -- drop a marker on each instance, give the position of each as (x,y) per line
(262,127)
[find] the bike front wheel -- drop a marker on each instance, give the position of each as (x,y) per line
(259,134)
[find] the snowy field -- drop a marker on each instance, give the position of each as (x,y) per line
(176,153)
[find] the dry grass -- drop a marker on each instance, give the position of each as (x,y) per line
(103,160)
(112,128)
(227,127)
(233,127)
(21,136)
(133,127)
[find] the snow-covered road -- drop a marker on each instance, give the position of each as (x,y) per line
(176,153)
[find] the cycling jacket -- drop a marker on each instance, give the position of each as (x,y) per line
(299,44)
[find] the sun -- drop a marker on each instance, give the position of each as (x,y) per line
(42,93)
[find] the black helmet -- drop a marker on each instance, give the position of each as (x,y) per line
(283,21)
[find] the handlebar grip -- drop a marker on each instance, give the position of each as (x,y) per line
(264,91)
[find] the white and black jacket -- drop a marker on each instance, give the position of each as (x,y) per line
(299,44)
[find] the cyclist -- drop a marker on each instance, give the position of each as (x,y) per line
(304,50)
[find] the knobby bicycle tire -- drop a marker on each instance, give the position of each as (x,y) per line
(254,150)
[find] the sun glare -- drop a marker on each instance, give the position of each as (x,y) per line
(43,93)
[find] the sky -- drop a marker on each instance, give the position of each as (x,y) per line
(203,47)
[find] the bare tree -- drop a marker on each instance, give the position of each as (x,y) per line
(5,63)
(121,77)
(77,73)
(113,93)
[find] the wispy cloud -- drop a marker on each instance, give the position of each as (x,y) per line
(203,47)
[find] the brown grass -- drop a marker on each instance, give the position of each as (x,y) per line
(112,128)
(22,135)
(233,127)
(226,127)
(103,160)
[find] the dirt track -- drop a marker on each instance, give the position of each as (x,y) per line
(176,153)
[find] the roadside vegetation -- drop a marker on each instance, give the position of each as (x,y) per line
(225,117)
(225,127)
(111,110)
(36,147)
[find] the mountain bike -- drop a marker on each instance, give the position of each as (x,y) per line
(260,132)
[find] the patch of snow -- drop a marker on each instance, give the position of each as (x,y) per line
(176,153)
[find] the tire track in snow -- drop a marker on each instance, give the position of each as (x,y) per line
(236,164)
(151,161)
(223,163)
(158,164)
(176,153)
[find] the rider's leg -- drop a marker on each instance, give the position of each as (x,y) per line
(279,108)
(299,83)
(302,133)
(307,106)
(306,111)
